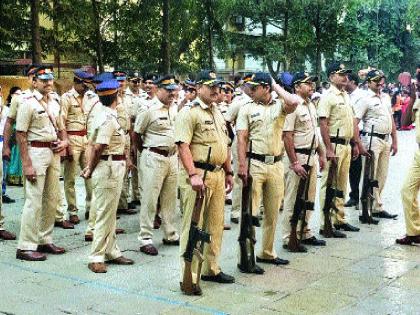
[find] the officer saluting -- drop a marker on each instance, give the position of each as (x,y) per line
(40,137)
(107,167)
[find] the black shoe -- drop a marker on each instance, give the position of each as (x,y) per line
(257,270)
(351,203)
(87,215)
(299,249)
(234,220)
(220,278)
(228,202)
(133,204)
(384,215)
(346,227)
(368,220)
(314,241)
(336,234)
(170,242)
(7,199)
(276,261)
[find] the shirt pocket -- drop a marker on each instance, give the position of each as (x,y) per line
(41,120)
(209,132)
(305,121)
(75,111)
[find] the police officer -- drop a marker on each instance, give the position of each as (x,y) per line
(124,108)
(298,134)
(336,113)
(41,138)
(261,121)
(196,129)
(107,167)
(375,110)
(356,95)
(159,165)
(73,111)
(241,98)
(410,189)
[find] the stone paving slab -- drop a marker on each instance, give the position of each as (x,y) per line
(367,273)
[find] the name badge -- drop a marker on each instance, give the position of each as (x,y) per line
(208,122)
(41,112)
(163,118)
(255,115)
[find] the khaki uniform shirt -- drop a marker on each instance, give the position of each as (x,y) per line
(335,105)
(14,104)
(92,107)
(234,107)
(264,124)
(123,112)
(202,126)
(223,108)
(303,123)
(73,110)
(35,116)
(156,126)
(108,131)
(376,111)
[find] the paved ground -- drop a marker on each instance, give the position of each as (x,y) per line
(364,274)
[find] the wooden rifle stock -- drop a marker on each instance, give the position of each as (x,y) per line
(369,183)
(196,236)
(247,228)
(330,193)
(299,210)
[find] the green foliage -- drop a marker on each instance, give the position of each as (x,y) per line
(306,32)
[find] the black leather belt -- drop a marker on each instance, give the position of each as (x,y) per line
(379,135)
(207,166)
(341,141)
(115,157)
(305,151)
(160,151)
(267,159)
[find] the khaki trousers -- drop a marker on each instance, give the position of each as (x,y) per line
(123,201)
(160,174)
(268,188)
(107,179)
(237,184)
(135,193)
(78,146)
(344,158)
(211,220)
(409,194)
(292,183)
(382,151)
(41,199)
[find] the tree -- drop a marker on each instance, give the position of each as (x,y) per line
(35,32)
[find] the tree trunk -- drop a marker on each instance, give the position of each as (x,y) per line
(208,5)
(55,15)
(165,47)
(96,21)
(286,61)
(36,33)
(318,44)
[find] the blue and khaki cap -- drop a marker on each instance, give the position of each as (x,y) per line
(302,77)
(101,77)
(120,75)
(167,82)
(337,67)
(260,78)
(81,76)
(31,69)
(44,73)
(374,75)
(108,87)
(207,77)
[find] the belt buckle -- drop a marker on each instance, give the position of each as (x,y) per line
(269,159)
(217,168)
(386,138)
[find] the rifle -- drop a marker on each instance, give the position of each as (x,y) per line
(299,210)
(247,229)
(331,194)
(196,236)
(368,184)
